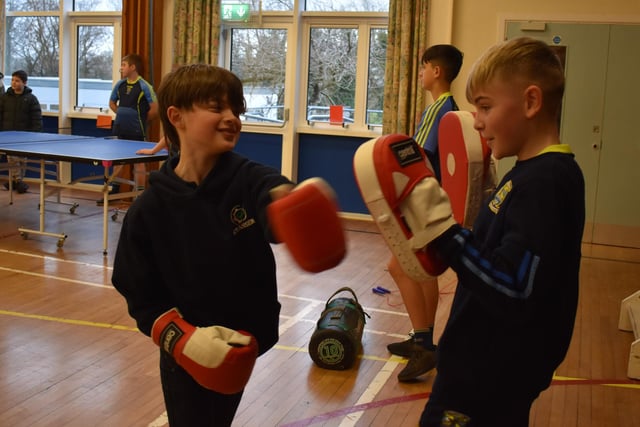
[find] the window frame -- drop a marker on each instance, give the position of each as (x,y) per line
(363,22)
(298,26)
(76,20)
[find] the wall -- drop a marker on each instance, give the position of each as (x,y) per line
(478,25)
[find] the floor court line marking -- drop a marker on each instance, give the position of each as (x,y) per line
(367,309)
(364,403)
(68,321)
(372,391)
(62,279)
(51,258)
(161,421)
(557,381)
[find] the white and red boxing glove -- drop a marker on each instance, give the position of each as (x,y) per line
(306,220)
(468,170)
(405,200)
(218,358)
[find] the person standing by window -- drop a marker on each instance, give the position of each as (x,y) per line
(19,110)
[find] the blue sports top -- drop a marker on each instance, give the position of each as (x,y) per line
(427,134)
(134,99)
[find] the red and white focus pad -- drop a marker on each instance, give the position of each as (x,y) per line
(387,169)
(307,221)
(467,168)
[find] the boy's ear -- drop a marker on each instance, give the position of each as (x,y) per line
(533,100)
(437,70)
(175,116)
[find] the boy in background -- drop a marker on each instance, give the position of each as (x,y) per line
(440,66)
(134,102)
(19,110)
(518,270)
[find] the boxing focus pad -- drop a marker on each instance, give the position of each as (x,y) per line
(218,358)
(467,168)
(306,220)
(405,200)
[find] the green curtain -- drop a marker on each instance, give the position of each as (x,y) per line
(404,99)
(196,32)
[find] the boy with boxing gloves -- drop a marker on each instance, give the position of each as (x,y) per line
(514,308)
(194,260)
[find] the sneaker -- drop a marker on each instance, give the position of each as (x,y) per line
(21,186)
(420,362)
(403,348)
(6,184)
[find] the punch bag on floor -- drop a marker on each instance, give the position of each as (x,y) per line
(336,342)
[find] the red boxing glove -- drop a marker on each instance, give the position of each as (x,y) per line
(218,358)
(306,220)
(405,200)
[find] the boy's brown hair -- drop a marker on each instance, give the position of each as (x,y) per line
(447,57)
(523,59)
(198,84)
(135,60)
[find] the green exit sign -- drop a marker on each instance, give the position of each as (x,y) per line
(235,12)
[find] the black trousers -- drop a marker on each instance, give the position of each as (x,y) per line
(189,404)
(486,408)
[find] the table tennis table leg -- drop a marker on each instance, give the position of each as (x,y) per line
(105,209)
(24,232)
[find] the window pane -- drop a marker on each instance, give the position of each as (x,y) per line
(347,5)
(258,59)
(97,5)
(375,88)
(32,45)
(332,72)
(95,63)
(268,5)
(31,5)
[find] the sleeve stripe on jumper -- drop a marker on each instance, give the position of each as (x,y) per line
(519,287)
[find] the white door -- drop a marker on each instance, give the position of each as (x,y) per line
(601,121)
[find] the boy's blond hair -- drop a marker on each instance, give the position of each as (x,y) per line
(523,59)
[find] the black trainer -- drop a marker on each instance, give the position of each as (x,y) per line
(20,186)
(420,362)
(6,184)
(403,348)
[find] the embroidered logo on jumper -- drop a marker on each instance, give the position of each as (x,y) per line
(406,152)
(240,218)
(500,196)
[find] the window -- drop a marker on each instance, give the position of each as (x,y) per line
(95,64)
(375,86)
(348,5)
(32,43)
(328,58)
(32,5)
(258,59)
(97,5)
(346,69)
(333,53)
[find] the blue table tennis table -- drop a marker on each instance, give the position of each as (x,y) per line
(107,152)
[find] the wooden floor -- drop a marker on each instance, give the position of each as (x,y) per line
(71,356)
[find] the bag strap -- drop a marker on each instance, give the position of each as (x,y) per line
(343,289)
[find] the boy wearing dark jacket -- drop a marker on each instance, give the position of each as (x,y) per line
(19,110)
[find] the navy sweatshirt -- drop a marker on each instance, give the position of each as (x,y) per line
(204,249)
(514,309)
